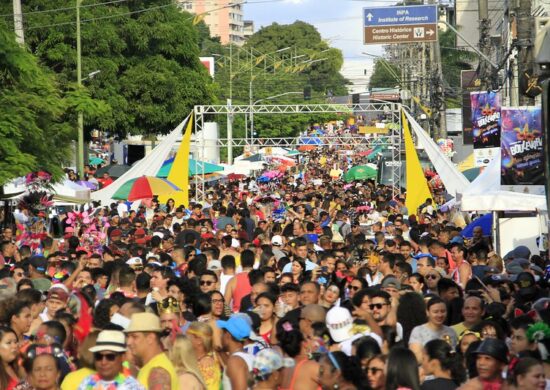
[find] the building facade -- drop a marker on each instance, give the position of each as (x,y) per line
(223,17)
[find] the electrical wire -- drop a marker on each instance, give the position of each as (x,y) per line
(63,9)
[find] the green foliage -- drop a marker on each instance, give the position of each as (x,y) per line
(381,76)
(453,60)
(151,76)
(34,129)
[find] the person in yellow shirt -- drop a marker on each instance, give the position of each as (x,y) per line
(157,371)
(85,362)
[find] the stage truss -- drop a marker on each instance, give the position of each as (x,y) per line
(390,110)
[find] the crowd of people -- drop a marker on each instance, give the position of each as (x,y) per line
(284,285)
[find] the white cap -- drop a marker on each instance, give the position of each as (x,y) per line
(277,240)
(214,265)
(339,323)
(134,261)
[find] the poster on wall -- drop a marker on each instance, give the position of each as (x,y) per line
(485,126)
(522,154)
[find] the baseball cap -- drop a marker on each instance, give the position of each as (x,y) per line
(517,265)
(214,265)
(139,232)
(236,326)
(339,323)
(269,360)
(116,233)
(277,241)
(39,263)
(526,283)
(58,293)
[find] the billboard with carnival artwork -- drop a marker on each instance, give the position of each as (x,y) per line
(485,126)
(522,155)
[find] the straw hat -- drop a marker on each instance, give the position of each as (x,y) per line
(110,340)
(144,322)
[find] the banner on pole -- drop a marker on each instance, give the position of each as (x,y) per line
(522,154)
(485,126)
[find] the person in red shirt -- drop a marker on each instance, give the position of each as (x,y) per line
(105,180)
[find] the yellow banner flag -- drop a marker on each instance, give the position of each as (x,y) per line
(417,186)
(179,173)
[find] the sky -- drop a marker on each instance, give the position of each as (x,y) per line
(338,21)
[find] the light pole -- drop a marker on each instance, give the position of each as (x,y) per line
(79,82)
(251,96)
(261,100)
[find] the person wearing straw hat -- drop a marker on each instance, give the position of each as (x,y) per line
(144,342)
(109,352)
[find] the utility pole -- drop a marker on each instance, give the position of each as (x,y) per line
(484,44)
(525,46)
(79,82)
(438,94)
(18,22)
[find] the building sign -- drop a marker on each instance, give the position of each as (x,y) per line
(401,24)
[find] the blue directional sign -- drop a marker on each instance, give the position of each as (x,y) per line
(411,14)
(400,24)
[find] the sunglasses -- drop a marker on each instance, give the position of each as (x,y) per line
(206,282)
(378,306)
(431,276)
(109,356)
(354,288)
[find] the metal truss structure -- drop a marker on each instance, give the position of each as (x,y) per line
(390,111)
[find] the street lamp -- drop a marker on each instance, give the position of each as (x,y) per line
(79,82)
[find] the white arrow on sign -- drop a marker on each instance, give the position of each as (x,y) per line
(370,16)
(430,32)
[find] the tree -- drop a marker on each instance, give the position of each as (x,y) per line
(147,52)
(381,76)
(254,79)
(36,119)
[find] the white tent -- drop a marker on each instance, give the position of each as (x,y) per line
(66,192)
(455,182)
(484,194)
(147,166)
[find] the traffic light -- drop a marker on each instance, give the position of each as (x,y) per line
(356,98)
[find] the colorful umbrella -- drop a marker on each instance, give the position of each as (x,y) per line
(96,161)
(195,168)
(145,187)
(360,172)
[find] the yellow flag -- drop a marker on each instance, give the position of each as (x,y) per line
(179,173)
(417,186)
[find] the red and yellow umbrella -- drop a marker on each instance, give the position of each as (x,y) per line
(145,187)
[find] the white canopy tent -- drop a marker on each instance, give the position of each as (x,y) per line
(66,192)
(147,166)
(484,194)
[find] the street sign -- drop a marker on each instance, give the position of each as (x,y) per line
(401,24)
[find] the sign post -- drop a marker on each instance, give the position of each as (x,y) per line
(401,24)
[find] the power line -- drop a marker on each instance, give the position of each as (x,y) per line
(145,10)
(63,9)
